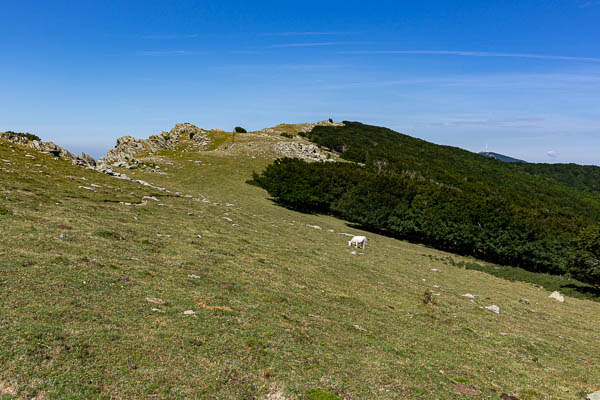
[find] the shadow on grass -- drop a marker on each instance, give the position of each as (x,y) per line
(564,285)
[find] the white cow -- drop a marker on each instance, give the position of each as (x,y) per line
(358,241)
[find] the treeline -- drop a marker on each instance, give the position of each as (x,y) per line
(445,197)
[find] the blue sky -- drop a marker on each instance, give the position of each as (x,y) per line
(522,76)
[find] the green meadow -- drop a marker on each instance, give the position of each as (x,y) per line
(213,291)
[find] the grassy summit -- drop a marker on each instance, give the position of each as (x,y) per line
(93,294)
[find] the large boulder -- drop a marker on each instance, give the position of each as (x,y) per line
(124,153)
(304,151)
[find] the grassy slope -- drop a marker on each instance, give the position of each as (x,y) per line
(279,305)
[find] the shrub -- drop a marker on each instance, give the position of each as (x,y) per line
(239,129)
(448,198)
(585,258)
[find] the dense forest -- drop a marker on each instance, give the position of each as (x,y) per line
(537,216)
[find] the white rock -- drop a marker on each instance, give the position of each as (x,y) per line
(435,270)
(313,226)
(192,276)
(227,219)
(593,396)
(189,312)
(557,296)
(353,252)
(469,295)
(493,308)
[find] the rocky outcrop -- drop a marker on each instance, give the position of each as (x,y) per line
(287,129)
(309,127)
(123,154)
(297,149)
(83,159)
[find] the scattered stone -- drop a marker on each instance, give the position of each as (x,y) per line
(227,219)
(557,296)
(353,252)
(192,276)
(155,300)
(593,396)
(313,226)
(304,151)
(493,308)
(199,236)
(83,160)
(435,270)
(330,230)
(157,309)
(503,334)
(87,188)
(189,312)
(127,147)
(359,328)
(62,236)
(469,295)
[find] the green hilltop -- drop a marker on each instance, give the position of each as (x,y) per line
(160,273)
(540,217)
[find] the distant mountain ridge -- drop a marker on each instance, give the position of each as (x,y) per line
(501,157)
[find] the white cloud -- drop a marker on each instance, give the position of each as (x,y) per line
(309,33)
(474,54)
(170,53)
(552,153)
(310,44)
(172,36)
